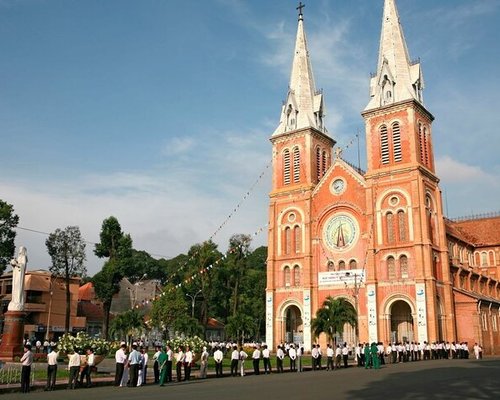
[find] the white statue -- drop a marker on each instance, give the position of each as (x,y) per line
(18,271)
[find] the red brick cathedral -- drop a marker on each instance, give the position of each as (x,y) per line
(377,238)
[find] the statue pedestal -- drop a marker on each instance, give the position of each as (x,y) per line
(13,335)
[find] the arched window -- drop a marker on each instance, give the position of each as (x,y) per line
(403,265)
(422,143)
(323,165)
(286,167)
(286,272)
(384,145)
(390,227)
(296,165)
(484,259)
(391,268)
(288,240)
(426,148)
(396,142)
(297,239)
(341,265)
(353,264)
(330,266)
(492,258)
(477,259)
(319,168)
(402,225)
(296,275)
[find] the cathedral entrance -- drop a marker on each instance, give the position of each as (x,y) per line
(294,329)
(401,322)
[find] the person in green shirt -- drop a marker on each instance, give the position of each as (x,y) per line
(162,364)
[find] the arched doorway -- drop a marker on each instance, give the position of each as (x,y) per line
(294,329)
(401,322)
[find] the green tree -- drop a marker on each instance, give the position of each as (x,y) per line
(117,247)
(239,248)
(332,316)
(188,326)
(8,222)
(169,309)
(240,326)
(67,251)
(127,324)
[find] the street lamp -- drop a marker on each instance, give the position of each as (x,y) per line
(193,300)
(51,293)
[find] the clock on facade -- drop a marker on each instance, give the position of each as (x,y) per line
(340,232)
(338,186)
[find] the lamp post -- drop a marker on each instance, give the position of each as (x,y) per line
(193,300)
(51,293)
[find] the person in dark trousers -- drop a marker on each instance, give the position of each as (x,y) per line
(87,369)
(120,359)
(26,362)
(52,369)
(156,366)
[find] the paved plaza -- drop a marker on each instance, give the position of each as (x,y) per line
(441,379)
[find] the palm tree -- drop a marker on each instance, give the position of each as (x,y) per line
(332,316)
(126,324)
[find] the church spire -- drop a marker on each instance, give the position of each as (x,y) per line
(303,107)
(397,78)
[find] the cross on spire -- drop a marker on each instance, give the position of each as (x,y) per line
(299,8)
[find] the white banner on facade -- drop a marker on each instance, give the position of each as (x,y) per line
(269,318)
(421,311)
(371,296)
(349,277)
(307,319)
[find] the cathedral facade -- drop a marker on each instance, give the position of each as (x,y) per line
(377,238)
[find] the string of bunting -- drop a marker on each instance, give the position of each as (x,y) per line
(202,270)
(226,220)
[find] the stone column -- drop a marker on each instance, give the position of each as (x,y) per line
(12,338)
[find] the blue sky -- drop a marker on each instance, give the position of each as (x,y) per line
(160,112)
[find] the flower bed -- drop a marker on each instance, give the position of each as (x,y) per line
(82,341)
(195,343)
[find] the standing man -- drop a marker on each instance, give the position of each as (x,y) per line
(156,369)
(345,354)
(314,357)
(256,360)
(26,361)
(204,363)
(300,352)
(170,358)
(243,357)
(134,360)
(73,368)
(280,355)
(121,359)
(266,356)
(179,362)
(292,353)
(87,369)
(52,369)
(329,357)
(188,360)
(235,357)
(218,357)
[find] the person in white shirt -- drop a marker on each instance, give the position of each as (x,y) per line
(87,369)
(300,352)
(235,357)
(179,362)
(292,353)
(73,368)
(52,369)
(345,354)
(218,357)
(204,363)
(188,360)
(121,359)
(329,357)
(256,360)
(314,357)
(156,366)
(338,356)
(280,356)
(243,356)
(266,357)
(170,358)
(26,362)
(143,367)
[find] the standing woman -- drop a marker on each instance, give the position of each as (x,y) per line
(26,361)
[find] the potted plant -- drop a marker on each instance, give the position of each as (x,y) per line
(81,342)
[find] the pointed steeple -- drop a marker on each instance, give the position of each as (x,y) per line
(304,106)
(397,78)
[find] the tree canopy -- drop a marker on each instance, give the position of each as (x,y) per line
(8,222)
(332,316)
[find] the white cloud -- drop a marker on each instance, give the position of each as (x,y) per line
(454,171)
(178,145)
